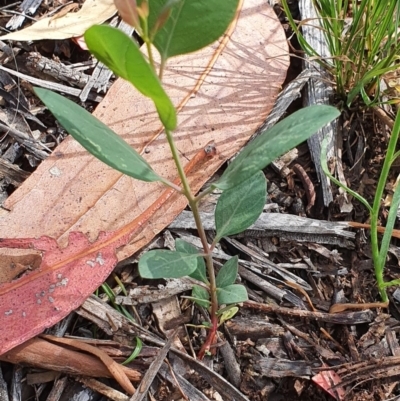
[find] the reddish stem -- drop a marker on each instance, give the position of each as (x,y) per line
(211,338)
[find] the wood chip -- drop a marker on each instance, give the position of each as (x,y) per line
(101,388)
(337,318)
(152,371)
(279,368)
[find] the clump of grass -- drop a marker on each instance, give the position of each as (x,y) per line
(379,248)
(363,39)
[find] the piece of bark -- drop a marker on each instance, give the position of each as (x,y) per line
(68,90)
(12,173)
(103,389)
(56,69)
(285,226)
(372,369)
(393,342)
(270,289)
(227,391)
(27,7)
(262,260)
(144,294)
(57,389)
(3,387)
(36,148)
(232,366)
(16,383)
(113,367)
(191,392)
(318,92)
(152,371)
(278,368)
(253,328)
(166,311)
(42,377)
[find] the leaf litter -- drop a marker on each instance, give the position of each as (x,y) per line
(281,348)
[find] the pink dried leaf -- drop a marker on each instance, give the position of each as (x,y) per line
(327,379)
(65,278)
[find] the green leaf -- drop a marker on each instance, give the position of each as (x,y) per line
(192,24)
(96,137)
(239,207)
(232,294)
(201,296)
(274,142)
(227,313)
(123,56)
(166,264)
(200,272)
(228,272)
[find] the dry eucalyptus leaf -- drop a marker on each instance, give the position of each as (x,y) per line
(64,26)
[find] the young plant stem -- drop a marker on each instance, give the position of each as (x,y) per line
(211,277)
(193,203)
(150,53)
(147,40)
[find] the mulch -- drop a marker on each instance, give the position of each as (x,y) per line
(273,349)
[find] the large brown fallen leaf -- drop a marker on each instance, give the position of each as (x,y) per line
(64,26)
(223,92)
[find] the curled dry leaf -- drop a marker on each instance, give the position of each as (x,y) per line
(47,355)
(113,367)
(223,93)
(64,26)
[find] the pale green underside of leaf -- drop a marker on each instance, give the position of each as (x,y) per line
(275,142)
(206,19)
(239,207)
(166,264)
(200,272)
(96,137)
(228,272)
(232,294)
(123,56)
(202,296)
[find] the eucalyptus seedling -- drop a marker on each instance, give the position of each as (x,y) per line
(178,27)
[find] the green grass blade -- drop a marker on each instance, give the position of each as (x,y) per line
(324,166)
(387,236)
(135,353)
